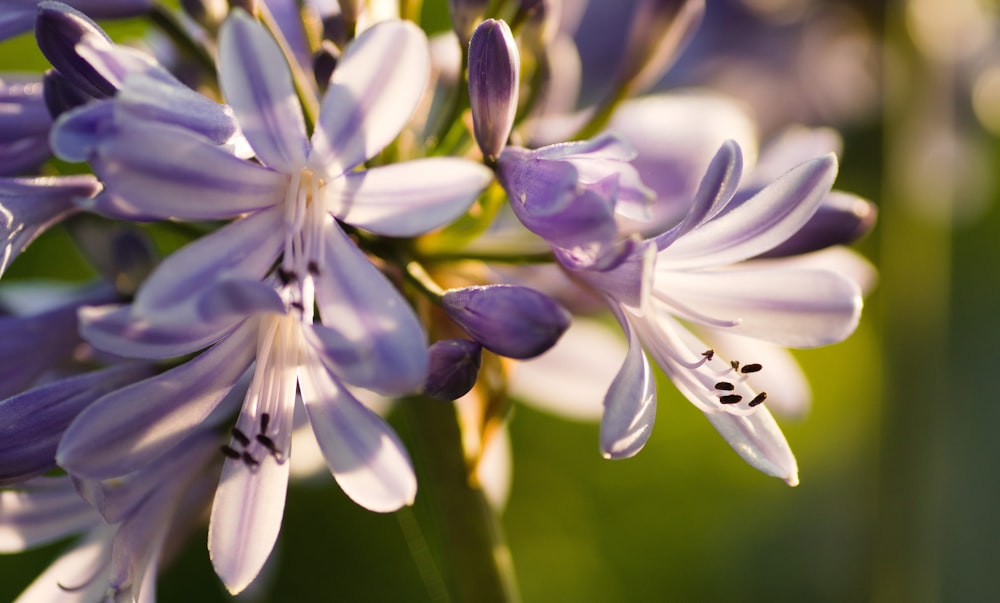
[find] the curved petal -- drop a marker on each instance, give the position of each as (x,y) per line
(236,297)
(761,223)
(115,435)
(630,404)
(167,101)
(366,457)
(257,84)
(246,519)
(153,171)
(29,206)
(376,86)
(32,423)
(372,337)
(410,198)
(759,441)
(115,328)
(716,190)
(41,511)
(70,578)
(34,344)
(791,307)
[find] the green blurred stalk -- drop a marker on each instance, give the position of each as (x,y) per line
(478,564)
(916,259)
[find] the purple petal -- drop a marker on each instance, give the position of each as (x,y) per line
(34,344)
(841,219)
(721,180)
(759,441)
(116,436)
(29,206)
(795,308)
(41,511)
(117,329)
(232,297)
(34,421)
(374,90)
(60,31)
(78,131)
(257,84)
(764,221)
(509,320)
(22,109)
(169,102)
(365,456)
(153,171)
(246,520)
(494,76)
(372,338)
(630,404)
(407,199)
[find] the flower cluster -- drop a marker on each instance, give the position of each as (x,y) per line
(365,213)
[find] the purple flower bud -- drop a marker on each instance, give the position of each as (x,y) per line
(494,70)
(841,219)
(454,366)
(60,94)
(464,15)
(58,31)
(659,29)
(512,321)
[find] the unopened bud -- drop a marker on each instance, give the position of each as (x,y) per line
(454,366)
(494,71)
(511,321)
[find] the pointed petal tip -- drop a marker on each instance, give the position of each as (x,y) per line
(792,480)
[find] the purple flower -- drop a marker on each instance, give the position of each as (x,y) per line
(24,126)
(571,193)
(494,75)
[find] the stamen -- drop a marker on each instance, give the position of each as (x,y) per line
(730,399)
(250,461)
(268,443)
(298,306)
(708,354)
(759,399)
(735,364)
(265,420)
(725,386)
(285,276)
(751,368)
(240,436)
(230,452)
(313,268)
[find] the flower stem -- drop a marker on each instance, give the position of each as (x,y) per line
(480,564)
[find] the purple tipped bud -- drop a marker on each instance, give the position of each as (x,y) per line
(58,30)
(464,16)
(841,219)
(512,321)
(494,71)
(454,366)
(60,95)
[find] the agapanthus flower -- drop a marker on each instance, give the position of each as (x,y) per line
(24,125)
(215,290)
(696,272)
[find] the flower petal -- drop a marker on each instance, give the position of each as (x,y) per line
(41,511)
(761,223)
(791,307)
(154,171)
(407,199)
(759,441)
(29,206)
(246,519)
(70,578)
(371,338)
(366,457)
(374,90)
(630,403)
(257,84)
(115,328)
(115,435)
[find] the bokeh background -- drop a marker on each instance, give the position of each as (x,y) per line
(899,455)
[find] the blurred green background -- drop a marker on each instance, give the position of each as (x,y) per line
(898,457)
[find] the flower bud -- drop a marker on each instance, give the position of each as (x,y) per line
(659,29)
(512,321)
(494,71)
(59,31)
(454,366)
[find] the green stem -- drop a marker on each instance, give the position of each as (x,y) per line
(482,570)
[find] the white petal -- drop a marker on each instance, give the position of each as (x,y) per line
(365,456)
(257,84)
(795,308)
(246,519)
(74,568)
(410,198)
(630,404)
(372,93)
(758,439)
